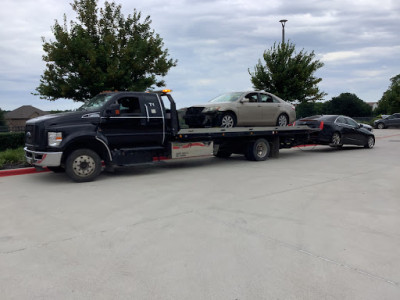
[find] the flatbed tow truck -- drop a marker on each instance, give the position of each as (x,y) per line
(117,129)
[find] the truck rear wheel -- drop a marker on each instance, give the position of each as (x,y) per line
(258,150)
(83,165)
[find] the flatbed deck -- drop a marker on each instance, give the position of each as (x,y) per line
(279,137)
(211,133)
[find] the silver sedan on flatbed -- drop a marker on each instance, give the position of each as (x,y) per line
(251,108)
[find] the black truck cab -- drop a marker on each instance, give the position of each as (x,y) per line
(122,128)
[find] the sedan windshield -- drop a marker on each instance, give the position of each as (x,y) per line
(96,102)
(228,97)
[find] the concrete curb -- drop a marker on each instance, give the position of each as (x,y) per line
(21,171)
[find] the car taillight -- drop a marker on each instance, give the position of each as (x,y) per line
(294,123)
(321,125)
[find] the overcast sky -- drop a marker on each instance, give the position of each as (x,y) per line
(216,42)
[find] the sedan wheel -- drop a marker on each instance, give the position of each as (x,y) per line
(381,126)
(228,121)
(370,142)
(282,120)
(336,140)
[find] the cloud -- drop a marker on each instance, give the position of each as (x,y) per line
(340,56)
(216,42)
(362,55)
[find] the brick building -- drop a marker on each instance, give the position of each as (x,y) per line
(17,118)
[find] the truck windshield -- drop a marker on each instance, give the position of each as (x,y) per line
(96,102)
(228,97)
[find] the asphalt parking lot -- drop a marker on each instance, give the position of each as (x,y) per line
(316,223)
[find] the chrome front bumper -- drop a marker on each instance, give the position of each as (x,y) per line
(43,159)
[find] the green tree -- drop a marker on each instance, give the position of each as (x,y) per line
(306,109)
(102,50)
(2,118)
(347,104)
(390,101)
(287,74)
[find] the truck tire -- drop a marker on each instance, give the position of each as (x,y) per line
(258,150)
(83,165)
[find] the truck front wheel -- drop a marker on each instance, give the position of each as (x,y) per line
(258,150)
(83,165)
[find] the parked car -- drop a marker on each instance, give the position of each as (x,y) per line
(366,126)
(393,120)
(337,130)
(252,108)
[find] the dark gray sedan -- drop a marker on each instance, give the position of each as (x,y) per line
(393,120)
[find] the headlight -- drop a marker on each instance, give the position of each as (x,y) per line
(210,109)
(54,139)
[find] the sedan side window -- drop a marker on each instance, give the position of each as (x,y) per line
(252,97)
(340,120)
(351,122)
(266,98)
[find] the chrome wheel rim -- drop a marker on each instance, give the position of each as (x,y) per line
(261,150)
(282,120)
(227,121)
(84,165)
(336,139)
(380,126)
(371,142)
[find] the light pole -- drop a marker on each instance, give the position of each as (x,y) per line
(283,30)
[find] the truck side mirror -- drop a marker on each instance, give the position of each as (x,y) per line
(112,110)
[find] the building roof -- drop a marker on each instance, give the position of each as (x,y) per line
(25,112)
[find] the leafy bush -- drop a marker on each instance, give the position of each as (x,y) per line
(12,157)
(11,140)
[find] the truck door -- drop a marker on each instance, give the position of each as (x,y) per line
(154,134)
(140,122)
